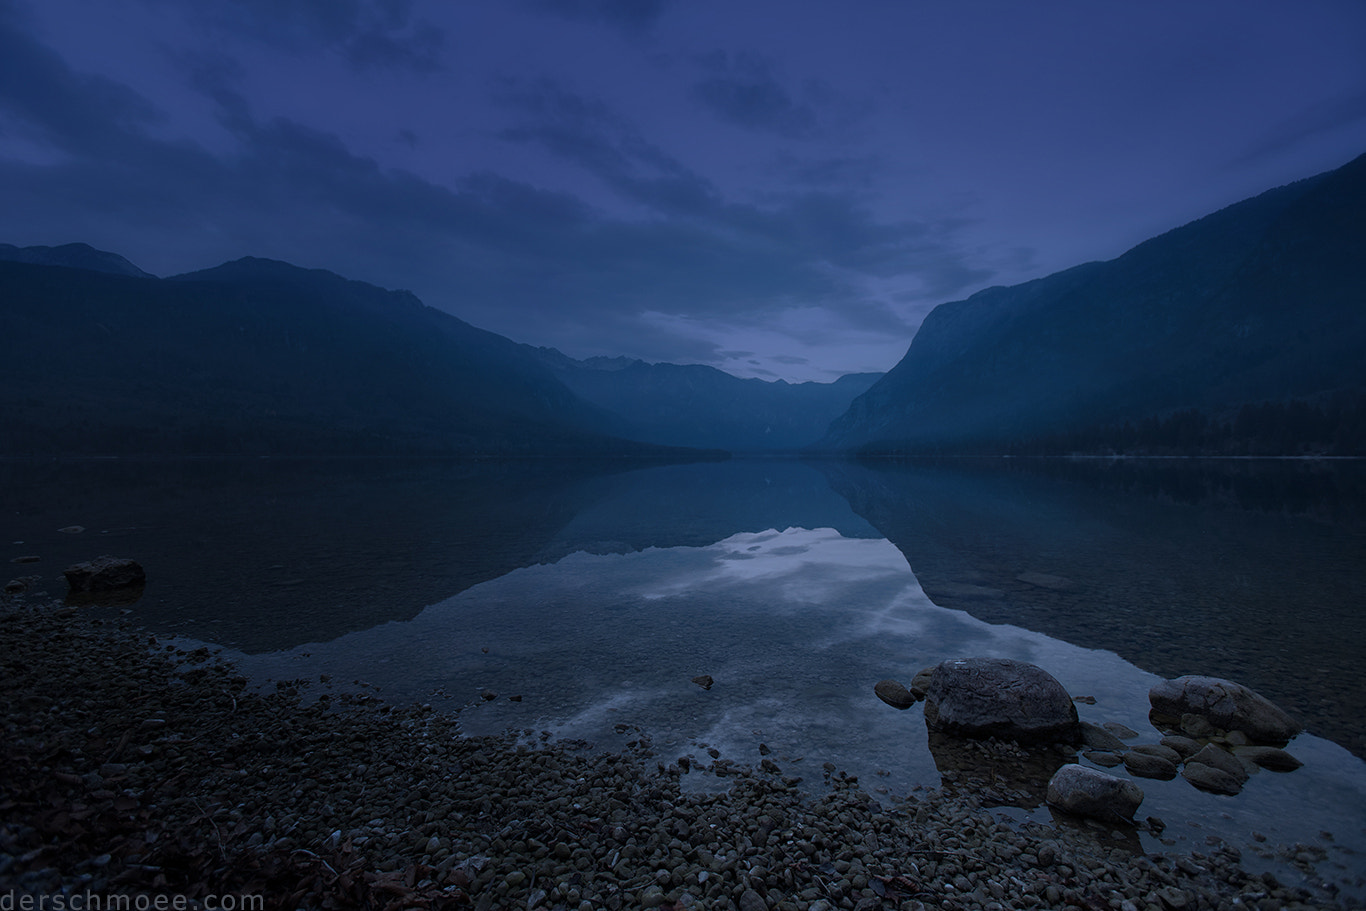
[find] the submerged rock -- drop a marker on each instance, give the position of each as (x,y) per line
(999,697)
(1208,778)
(1226,705)
(1148,765)
(1273,758)
(704,681)
(1096,737)
(894,694)
(1221,759)
(1092,793)
(920,684)
(104,574)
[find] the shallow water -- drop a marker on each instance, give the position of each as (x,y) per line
(597,595)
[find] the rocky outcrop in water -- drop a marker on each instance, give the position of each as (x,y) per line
(999,697)
(104,574)
(1226,705)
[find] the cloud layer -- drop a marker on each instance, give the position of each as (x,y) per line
(610,177)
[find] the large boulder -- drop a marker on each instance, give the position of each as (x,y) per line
(1226,705)
(999,697)
(104,574)
(1090,792)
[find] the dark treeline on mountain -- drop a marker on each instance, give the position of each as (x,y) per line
(1241,333)
(1295,427)
(695,405)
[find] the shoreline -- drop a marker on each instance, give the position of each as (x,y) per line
(129,768)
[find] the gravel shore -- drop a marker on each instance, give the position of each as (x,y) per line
(130,767)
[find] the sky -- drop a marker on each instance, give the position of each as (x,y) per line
(778,188)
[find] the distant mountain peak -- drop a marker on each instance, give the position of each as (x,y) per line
(73,256)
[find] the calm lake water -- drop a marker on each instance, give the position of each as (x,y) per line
(597,592)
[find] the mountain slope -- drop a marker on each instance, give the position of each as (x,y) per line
(76,256)
(1261,301)
(262,357)
(695,405)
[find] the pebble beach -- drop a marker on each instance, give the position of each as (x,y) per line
(133,767)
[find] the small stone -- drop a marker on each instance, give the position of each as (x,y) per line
(1273,758)
(72,529)
(1208,778)
(1122,731)
(1221,759)
(1106,758)
(1184,746)
(1146,765)
(26,559)
(704,681)
(752,901)
(920,683)
(1159,750)
(104,574)
(1173,898)
(894,694)
(1098,738)
(488,695)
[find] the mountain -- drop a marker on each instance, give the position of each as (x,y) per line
(1241,332)
(262,357)
(77,256)
(695,405)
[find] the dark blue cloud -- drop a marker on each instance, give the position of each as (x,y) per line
(741,90)
(368,34)
(631,15)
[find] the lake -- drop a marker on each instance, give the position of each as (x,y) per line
(597,592)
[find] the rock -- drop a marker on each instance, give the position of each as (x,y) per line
(1221,759)
(1104,757)
(1096,737)
(1208,778)
(488,695)
(1122,731)
(27,558)
(1197,726)
(72,529)
(104,574)
(752,901)
(1226,705)
(15,586)
(1184,746)
(1160,751)
(704,681)
(1044,580)
(920,684)
(999,697)
(1092,793)
(1146,765)
(1277,760)
(894,694)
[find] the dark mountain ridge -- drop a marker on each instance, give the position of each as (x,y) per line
(696,405)
(1263,301)
(77,256)
(261,357)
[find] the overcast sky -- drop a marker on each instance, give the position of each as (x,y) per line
(779,189)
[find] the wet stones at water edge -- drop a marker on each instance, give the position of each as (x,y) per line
(104,574)
(894,694)
(1225,705)
(704,681)
(1092,793)
(1000,697)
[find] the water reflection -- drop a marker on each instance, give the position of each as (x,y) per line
(1247,571)
(795,627)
